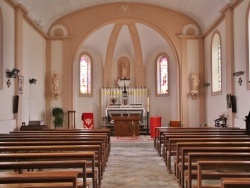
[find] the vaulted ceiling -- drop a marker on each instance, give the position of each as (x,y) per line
(45,12)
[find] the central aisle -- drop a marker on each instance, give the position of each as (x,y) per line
(136,166)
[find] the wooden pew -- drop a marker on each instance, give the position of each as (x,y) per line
(31,177)
(160,130)
(39,178)
(235,182)
(169,146)
(159,141)
(174,141)
(60,148)
(60,143)
(183,148)
(167,136)
(55,131)
(53,138)
(220,169)
(10,157)
(213,149)
(193,158)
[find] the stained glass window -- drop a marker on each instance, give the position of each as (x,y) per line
(162,75)
(216,64)
(85,75)
(219,67)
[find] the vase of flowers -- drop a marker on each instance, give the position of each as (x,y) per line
(113,100)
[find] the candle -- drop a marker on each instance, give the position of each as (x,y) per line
(148,105)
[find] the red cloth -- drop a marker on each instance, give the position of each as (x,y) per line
(88,120)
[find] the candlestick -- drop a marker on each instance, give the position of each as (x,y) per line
(148,105)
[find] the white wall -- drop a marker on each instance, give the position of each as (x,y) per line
(7,121)
(240,58)
(34,48)
(34,61)
(215,105)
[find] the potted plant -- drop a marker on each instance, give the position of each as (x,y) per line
(58,113)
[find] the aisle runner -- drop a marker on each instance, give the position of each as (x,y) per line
(141,138)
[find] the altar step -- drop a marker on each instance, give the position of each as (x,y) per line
(144,141)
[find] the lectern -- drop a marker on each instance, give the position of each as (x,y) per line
(126,126)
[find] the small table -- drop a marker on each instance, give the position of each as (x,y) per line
(126,126)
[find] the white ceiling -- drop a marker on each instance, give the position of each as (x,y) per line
(45,12)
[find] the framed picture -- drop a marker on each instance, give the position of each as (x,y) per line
(20,84)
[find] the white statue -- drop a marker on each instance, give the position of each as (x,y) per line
(55,81)
(124,70)
(195,84)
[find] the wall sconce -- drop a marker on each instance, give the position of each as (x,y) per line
(13,73)
(32,81)
(238,73)
(206,84)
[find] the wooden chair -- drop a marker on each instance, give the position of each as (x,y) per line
(174,123)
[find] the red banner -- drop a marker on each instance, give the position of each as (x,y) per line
(88,120)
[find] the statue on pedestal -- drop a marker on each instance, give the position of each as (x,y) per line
(55,81)
(195,84)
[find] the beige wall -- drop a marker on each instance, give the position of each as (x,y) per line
(233,59)
(100,16)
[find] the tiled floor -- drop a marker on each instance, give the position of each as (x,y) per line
(136,165)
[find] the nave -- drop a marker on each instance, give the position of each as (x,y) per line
(136,165)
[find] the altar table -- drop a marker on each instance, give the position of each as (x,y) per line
(126,126)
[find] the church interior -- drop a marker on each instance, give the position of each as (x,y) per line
(70,65)
(41,45)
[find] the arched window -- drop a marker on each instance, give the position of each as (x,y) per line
(216,64)
(85,75)
(162,75)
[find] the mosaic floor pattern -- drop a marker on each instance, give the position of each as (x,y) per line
(136,166)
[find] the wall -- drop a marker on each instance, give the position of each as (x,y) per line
(7,120)
(215,105)
(33,48)
(240,58)
(136,14)
(34,53)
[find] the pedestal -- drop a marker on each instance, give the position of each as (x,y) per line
(126,126)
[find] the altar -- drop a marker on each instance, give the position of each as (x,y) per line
(126,126)
(124,111)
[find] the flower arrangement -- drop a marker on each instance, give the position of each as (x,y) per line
(113,100)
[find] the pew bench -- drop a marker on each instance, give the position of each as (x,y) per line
(45,179)
(158,140)
(215,170)
(173,141)
(51,138)
(59,143)
(53,156)
(183,148)
(193,158)
(76,148)
(235,182)
(20,166)
(166,136)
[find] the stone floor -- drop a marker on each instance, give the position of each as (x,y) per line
(136,165)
